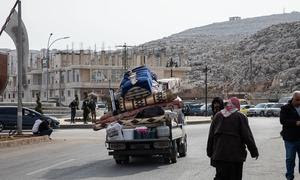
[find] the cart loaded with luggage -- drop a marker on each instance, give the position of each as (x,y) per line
(146,118)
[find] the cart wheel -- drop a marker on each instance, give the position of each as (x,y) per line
(174,152)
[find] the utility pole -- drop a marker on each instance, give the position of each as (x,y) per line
(125,64)
(48,58)
(172,64)
(20,65)
(144,56)
(205,70)
(251,76)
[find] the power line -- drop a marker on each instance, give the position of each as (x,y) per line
(125,63)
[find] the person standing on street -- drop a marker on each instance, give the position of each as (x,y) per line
(73,105)
(85,107)
(77,101)
(93,109)
(217,105)
(290,120)
(38,107)
(226,146)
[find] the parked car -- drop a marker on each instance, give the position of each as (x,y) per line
(192,109)
(245,108)
(244,102)
(274,110)
(203,110)
(8,118)
(285,99)
(260,109)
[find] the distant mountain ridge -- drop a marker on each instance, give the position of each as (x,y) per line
(223,47)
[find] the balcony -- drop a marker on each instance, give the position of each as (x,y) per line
(91,85)
(35,71)
(35,87)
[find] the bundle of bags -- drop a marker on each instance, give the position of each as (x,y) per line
(140,100)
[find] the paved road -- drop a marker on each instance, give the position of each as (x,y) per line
(81,154)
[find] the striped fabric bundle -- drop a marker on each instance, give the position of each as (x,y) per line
(136,93)
(143,121)
(159,97)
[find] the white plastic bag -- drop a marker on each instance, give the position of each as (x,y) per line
(114,132)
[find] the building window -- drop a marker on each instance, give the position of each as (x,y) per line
(8,96)
(22,95)
(28,82)
(69,93)
(4,95)
(77,77)
(51,93)
(45,94)
(62,78)
(62,93)
(32,94)
(14,96)
(73,79)
(68,76)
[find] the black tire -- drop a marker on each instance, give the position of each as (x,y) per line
(174,152)
(261,114)
(183,148)
(1,126)
(122,159)
(126,161)
(166,160)
(118,161)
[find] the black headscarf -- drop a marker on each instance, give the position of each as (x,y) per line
(217,109)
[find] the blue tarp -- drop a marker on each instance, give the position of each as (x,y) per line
(144,79)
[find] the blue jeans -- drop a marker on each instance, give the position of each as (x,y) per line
(291,148)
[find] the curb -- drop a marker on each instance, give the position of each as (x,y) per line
(25,141)
(76,126)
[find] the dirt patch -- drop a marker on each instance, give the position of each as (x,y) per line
(14,137)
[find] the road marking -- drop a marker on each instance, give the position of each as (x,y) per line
(49,167)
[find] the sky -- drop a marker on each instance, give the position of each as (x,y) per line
(107,23)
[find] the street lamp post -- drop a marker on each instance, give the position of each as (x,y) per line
(206,109)
(48,57)
(172,64)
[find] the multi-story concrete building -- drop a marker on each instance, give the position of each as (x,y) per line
(76,72)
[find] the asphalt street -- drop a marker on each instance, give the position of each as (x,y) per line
(81,154)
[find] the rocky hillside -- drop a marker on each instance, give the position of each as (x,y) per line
(228,48)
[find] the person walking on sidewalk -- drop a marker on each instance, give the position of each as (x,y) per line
(85,107)
(290,120)
(226,146)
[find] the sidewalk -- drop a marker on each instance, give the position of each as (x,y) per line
(66,124)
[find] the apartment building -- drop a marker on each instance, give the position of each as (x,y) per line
(75,72)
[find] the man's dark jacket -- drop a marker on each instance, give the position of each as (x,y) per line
(228,138)
(288,117)
(44,126)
